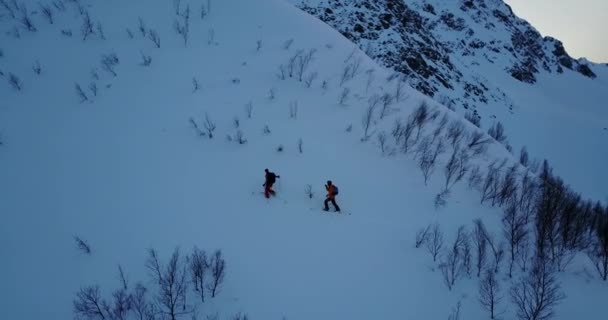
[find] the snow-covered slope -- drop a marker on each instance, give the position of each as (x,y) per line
(480,56)
(127,171)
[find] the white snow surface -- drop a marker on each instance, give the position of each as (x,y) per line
(127,172)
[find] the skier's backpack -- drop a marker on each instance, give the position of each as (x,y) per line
(272,178)
(335,190)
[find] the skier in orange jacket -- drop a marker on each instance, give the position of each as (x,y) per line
(332,192)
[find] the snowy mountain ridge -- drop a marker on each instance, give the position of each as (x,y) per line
(436,43)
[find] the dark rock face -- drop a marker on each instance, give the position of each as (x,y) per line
(420,38)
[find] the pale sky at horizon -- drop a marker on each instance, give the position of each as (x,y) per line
(581,25)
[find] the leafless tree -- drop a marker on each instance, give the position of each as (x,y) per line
(515,231)
(399,91)
(481,244)
(109,62)
(475,178)
(154,37)
(456,167)
(473,118)
(489,188)
(209,126)
(386,101)
(121,305)
(537,294)
(249,109)
(489,292)
(435,241)
(420,118)
(367,121)
(89,303)
(598,250)
(123,278)
(86,28)
(172,284)
(478,143)
(497,131)
(422,236)
(14,81)
(143,309)
(80,93)
(218,272)
(47,12)
(199,265)
(455,133)
(427,156)
(452,265)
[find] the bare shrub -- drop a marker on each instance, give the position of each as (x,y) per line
(129,33)
(86,29)
(99,29)
(455,133)
(209,126)
(172,284)
(344,95)
(302,63)
(249,109)
(308,190)
(154,37)
(143,309)
(266,130)
(109,62)
(195,85)
(196,127)
(8,8)
(26,20)
(473,118)
(258,45)
(141,26)
(455,314)
(82,245)
(398,96)
(300,145)
(497,131)
(489,292)
(382,141)
(452,266)
(435,241)
(89,303)
(47,12)
(475,178)
(239,137)
(80,93)
(14,81)
(537,294)
(598,250)
(310,78)
(427,156)
(93,88)
(272,94)
(146,60)
(386,101)
(183,27)
(293,110)
(37,68)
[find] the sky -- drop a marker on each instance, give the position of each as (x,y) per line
(582,25)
